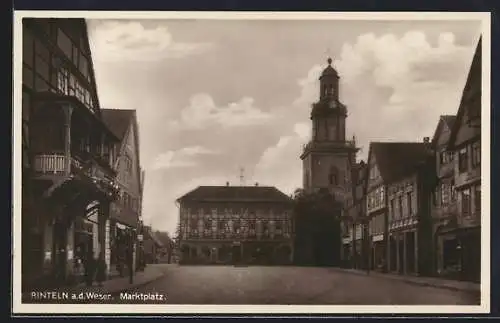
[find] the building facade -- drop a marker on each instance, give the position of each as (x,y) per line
(462,240)
(399,181)
(354,229)
(376,209)
(236,224)
(125,213)
(410,218)
(444,211)
(68,179)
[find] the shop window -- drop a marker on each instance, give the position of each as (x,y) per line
(462,160)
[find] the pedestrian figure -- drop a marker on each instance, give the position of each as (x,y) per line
(101,269)
(89,267)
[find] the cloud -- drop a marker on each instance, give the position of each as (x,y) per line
(184,157)
(279,165)
(202,112)
(132,41)
(395,87)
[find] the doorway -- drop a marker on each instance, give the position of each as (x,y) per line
(59,244)
(236,254)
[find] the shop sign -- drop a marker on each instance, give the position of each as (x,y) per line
(379,237)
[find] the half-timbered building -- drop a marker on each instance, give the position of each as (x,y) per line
(69,180)
(236,224)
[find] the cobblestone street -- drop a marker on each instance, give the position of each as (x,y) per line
(295,285)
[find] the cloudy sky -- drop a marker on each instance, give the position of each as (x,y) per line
(213,96)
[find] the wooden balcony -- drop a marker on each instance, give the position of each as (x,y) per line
(57,167)
(50,165)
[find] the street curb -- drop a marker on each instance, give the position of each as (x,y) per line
(452,288)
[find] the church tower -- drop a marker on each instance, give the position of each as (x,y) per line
(328,157)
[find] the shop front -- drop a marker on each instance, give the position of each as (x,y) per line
(378,252)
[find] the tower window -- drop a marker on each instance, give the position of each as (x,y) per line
(333,176)
(330,89)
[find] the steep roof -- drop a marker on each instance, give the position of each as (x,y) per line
(118,120)
(153,236)
(236,193)
(398,159)
(448,120)
(473,83)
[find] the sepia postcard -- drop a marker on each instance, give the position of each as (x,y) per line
(251,162)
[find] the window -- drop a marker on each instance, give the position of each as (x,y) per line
(64,43)
(330,89)
(76,54)
(251,224)
(26,102)
(41,85)
(462,160)
(382,196)
(193,224)
(221,225)
(445,194)
(333,176)
(208,224)
(42,68)
(83,66)
(476,154)
(409,203)
(466,202)
(28,47)
(477,200)
(452,191)
(332,132)
(400,206)
(62,81)
(28,79)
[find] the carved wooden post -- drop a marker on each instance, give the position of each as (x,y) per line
(68,111)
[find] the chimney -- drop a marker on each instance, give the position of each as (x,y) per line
(256,183)
(426,140)
(227,183)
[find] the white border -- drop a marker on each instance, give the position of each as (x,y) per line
(19,308)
